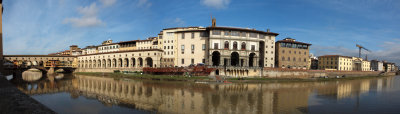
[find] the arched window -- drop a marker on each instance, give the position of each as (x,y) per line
(226,45)
(243,45)
(235,45)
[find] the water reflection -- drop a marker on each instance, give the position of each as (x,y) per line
(31,75)
(181,97)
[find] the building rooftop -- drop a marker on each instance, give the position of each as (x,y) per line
(291,40)
(242,29)
(335,56)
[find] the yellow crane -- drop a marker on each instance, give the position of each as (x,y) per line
(359,50)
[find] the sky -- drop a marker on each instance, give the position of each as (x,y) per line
(331,26)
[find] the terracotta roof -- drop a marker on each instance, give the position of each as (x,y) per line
(124,51)
(288,41)
(335,56)
(181,27)
(243,29)
(38,56)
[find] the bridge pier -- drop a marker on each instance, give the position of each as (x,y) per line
(51,70)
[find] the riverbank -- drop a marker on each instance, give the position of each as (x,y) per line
(13,101)
(210,79)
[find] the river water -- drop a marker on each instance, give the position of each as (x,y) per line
(67,93)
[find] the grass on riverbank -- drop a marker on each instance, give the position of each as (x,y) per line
(258,79)
(146,76)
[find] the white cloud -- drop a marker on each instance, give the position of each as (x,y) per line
(179,22)
(107,3)
(88,10)
(89,17)
(84,21)
(143,3)
(218,4)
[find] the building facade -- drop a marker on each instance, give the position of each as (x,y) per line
(292,54)
(335,62)
(376,65)
(108,46)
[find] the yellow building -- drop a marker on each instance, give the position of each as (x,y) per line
(335,62)
(342,63)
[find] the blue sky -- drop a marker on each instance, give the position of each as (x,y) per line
(332,26)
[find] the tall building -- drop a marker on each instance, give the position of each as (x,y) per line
(292,54)
(217,46)
(376,65)
(183,46)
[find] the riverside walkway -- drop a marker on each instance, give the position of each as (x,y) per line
(13,101)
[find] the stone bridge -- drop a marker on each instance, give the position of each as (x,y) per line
(46,63)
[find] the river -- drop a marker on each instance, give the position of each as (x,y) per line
(67,93)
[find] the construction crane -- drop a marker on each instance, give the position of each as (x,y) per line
(359,50)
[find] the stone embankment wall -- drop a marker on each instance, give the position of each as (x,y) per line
(14,101)
(293,73)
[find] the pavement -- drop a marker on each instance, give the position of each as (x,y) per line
(13,101)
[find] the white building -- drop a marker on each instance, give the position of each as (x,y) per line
(108,46)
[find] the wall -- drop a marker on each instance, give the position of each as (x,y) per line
(285,73)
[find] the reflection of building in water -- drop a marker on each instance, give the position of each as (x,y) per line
(171,97)
(364,86)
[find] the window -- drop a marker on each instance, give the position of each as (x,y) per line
(192,48)
(192,61)
(254,35)
(262,36)
(203,34)
(183,49)
(305,53)
(204,46)
(204,60)
(243,45)
(283,58)
(288,58)
(266,51)
(216,32)
(172,47)
(215,45)
(235,33)
(290,51)
(192,35)
(235,45)
(226,33)
(243,34)
(253,47)
(183,61)
(183,36)
(294,52)
(226,46)
(294,59)
(283,51)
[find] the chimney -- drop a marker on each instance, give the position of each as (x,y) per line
(267,30)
